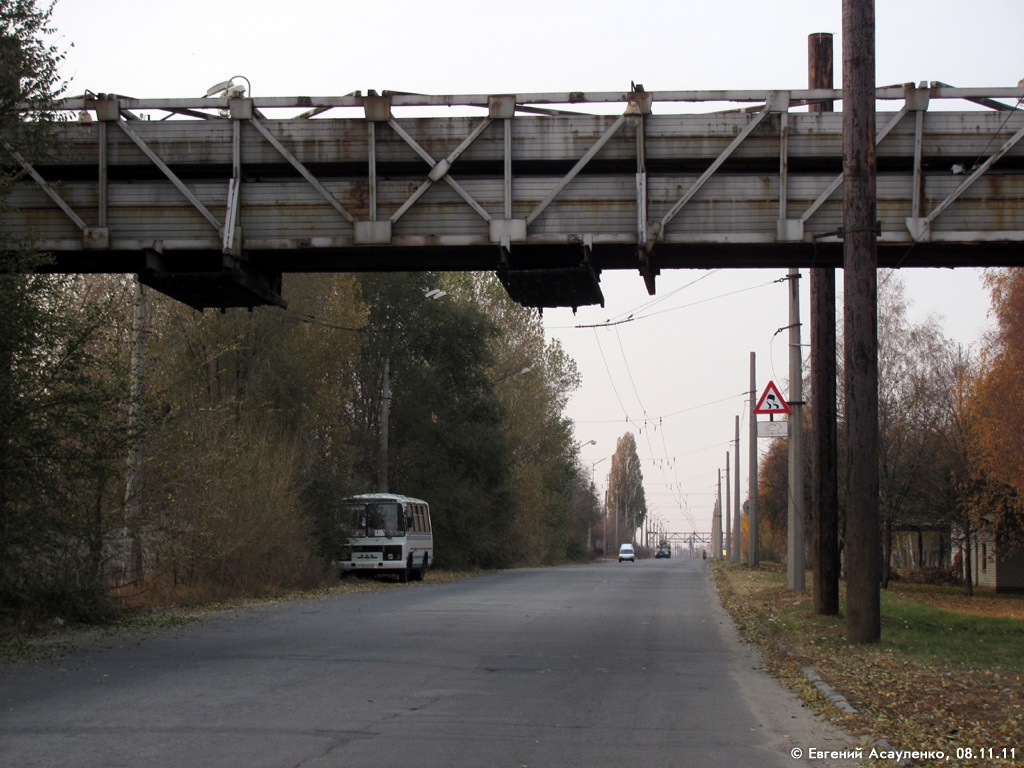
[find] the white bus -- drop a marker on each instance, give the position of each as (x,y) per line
(387,534)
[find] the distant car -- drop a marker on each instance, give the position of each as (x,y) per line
(664,550)
(626,553)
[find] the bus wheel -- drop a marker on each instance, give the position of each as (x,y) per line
(423,567)
(403,575)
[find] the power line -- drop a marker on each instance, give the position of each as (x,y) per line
(630,374)
(659,419)
(611,380)
(670,294)
(632,318)
(314,320)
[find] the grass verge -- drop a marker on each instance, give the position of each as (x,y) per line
(939,680)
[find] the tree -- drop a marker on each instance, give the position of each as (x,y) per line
(248,442)
(30,79)
(584,516)
(61,375)
(446,441)
(626,489)
(955,484)
(773,500)
(533,380)
(62,445)
(911,386)
(30,85)
(999,439)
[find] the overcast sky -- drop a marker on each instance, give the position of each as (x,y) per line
(678,376)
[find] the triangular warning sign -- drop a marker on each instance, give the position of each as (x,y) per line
(771,401)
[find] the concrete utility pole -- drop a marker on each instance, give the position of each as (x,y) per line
(736,516)
(385,405)
(718,519)
(860,296)
(824,414)
(795,576)
(752,553)
(726,516)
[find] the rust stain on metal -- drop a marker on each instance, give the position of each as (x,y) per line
(358,199)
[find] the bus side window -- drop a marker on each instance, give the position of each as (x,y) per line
(419,518)
(426,519)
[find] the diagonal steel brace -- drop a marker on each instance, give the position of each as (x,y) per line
(966,184)
(575,170)
(51,193)
(303,171)
(838,180)
(171,176)
(709,173)
(439,169)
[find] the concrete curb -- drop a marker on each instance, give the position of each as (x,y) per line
(838,700)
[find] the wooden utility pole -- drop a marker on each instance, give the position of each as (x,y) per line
(824,415)
(860,295)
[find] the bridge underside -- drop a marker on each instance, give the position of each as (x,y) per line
(214,205)
(542,276)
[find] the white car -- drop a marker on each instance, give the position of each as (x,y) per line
(626,553)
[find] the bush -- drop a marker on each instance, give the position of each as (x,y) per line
(932,574)
(241,529)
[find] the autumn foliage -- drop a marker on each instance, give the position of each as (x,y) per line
(998,443)
(951,434)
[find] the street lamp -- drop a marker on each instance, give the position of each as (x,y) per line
(527,369)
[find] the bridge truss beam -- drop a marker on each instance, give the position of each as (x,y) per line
(210,200)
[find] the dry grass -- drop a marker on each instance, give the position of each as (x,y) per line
(939,680)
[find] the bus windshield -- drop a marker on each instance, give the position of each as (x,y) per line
(376,518)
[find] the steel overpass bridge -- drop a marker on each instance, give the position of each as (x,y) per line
(210,200)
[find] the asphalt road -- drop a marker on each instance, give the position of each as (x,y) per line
(597,665)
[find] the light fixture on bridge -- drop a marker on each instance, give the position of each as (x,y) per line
(229,89)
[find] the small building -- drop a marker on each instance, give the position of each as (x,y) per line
(996,567)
